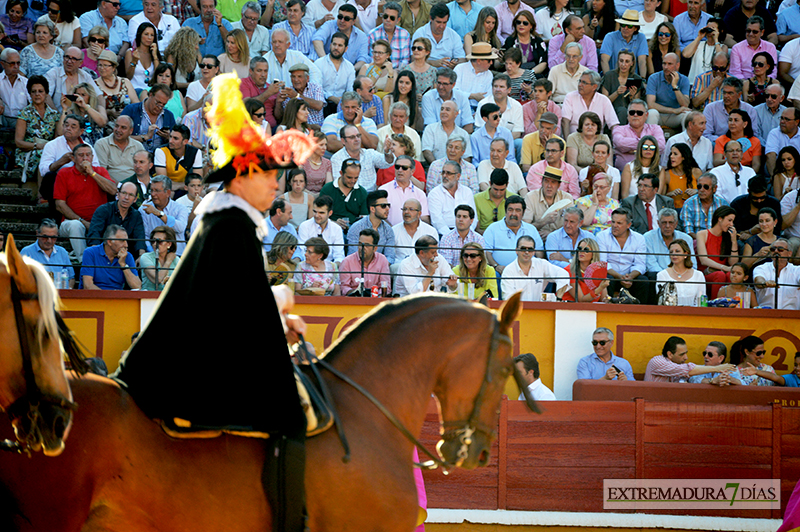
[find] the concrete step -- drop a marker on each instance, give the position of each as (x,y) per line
(16,196)
(22,213)
(11,177)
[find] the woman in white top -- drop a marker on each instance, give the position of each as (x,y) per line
(209,68)
(237,54)
(646,162)
(142,61)
(704,47)
(690,283)
(550,20)
(298,197)
(650,19)
(67,24)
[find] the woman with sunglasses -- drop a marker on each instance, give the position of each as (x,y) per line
(718,249)
(664,41)
(785,178)
(98,40)
(740,129)
(679,179)
(704,47)
(405,91)
(255,108)
(690,284)
(748,353)
(475,276)
(143,60)
(209,68)
(68,27)
(183,51)
(380,70)
(118,92)
(646,162)
(157,266)
(534,52)
(755,88)
(280,265)
(403,145)
(42,56)
(424,73)
(622,85)
(586,253)
(597,207)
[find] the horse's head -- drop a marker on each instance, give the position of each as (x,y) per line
(33,383)
(470,407)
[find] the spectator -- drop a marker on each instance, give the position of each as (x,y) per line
(44,250)
(182,53)
(756,248)
(785,176)
(41,56)
(506,13)
(622,86)
(399,115)
(526,38)
(157,265)
(672,365)
(195,192)
(690,284)
(463,234)
(501,237)
(698,209)
(540,201)
(303,89)
(531,274)
(650,27)
(586,254)
(580,145)
(788,278)
(357,51)
(122,213)
(490,130)
(63,78)
(490,203)
(410,230)
(534,110)
(142,167)
(549,19)
(365,259)
(352,117)
(690,23)
(476,278)
(627,137)
(370,160)
(199,88)
(144,58)
(36,125)
(718,249)
(378,205)
(255,86)
(443,199)
(300,33)
(714,355)
(278,221)
(424,270)
(780,138)
(211,27)
(152,121)
(566,238)
(178,158)
(510,110)
(405,91)
(789,62)
(77,197)
(295,116)
(626,38)
(717,112)
(438,134)
(414,15)
(679,178)
(732,175)
(498,158)
(447,46)
(664,41)
(668,94)
(522,79)
(380,71)
(455,148)
(153,12)
(161,209)
(707,85)
(337,72)
(624,250)
(533,144)
(599,19)
(574,31)
(321,226)
(317,276)
(528,367)
(603,364)
(13,92)
(475,75)
(86,107)
(693,137)
(280,261)
(402,188)
(257,36)
(402,145)
(424,73)
(601,151)
(659,238)
(740,129)
(66,23)
(748,207)
(109,266)
(748,354)
(281,58)
(755,87)
(371,105)
(553,157)
(446,91)
(464,15)
(349,198)
(298,196)
(198,125)
(115,152)
(744,52)
(107,15)
(399,38)
(646,204)
(566,76)
(586,99)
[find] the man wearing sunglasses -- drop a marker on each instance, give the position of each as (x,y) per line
(357,51)
(737,19)
(707,87)
(788,278)
(603,364)
(398,38)
(713,355)
(44,250)
(531,274)
(743,52)
(625,252)
(697,210)
(627,37)
(369,160)
(107,14)
(672,364)
(627,137)
(13,92)
(378,205)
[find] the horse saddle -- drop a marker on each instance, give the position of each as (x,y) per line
(319,416)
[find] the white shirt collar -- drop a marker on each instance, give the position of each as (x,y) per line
(220,200)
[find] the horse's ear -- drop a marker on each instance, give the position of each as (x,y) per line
(510,310)
(17,268)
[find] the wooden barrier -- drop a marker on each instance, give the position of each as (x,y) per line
(557,461)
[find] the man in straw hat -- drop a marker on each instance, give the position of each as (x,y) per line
(474,77)
(539,201)
(183,379)
(627,37)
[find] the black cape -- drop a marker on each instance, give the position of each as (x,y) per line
(214,351)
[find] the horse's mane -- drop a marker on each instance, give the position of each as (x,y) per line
(394,309)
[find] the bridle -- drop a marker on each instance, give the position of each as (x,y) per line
(28,405)
(463,429)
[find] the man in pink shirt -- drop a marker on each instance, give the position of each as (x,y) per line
(574,31)
(671,364)
(533,110)
(626,138)
(402,189)
(742,53)
(586,98)
(256,86)
(376,266)
(553,155)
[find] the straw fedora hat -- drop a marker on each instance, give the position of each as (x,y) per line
(630,17)
(482,50)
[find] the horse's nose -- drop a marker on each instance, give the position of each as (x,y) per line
(59,426)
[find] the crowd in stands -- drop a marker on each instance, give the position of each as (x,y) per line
(584,151)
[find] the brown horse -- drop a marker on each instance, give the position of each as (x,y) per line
(33,385)
(121,473)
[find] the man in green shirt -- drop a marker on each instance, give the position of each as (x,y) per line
(491,203)
(349,198)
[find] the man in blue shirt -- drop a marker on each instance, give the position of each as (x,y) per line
(566,237)
(603,364)
(501,236)
(627,37)
(45,251)
(211,26)
(106,15)
(463,15)
(689,23)
(445,90)
(447,45)
(109,266)
(491,129)
(280,214)
(357,49)
(668,94)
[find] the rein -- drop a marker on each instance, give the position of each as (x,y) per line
(464,430)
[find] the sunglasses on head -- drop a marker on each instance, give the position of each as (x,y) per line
(635,112)
(342,17)
(601,342)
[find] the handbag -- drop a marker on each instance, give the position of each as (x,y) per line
(668,294)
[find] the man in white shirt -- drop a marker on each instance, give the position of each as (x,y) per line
(531,274)
(625,251)
(161,209)
(443,199)
(732,176)
(321,226)
(475,78)
(511,116)
(337,72)
(692,136)
(528,367)
(371,160)
(258,40)
(318,12)
(407,232)
(437,134)
(425,271)
(790,207)
(498,158)
(445,90)
(13,87)
(788,278)
(280,59)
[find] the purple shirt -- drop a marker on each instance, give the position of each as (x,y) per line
(556,56)
(717,118)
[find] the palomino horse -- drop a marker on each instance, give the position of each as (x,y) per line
(33,385)
(121,473)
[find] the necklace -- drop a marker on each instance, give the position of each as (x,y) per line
(679,275)
(111,87)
